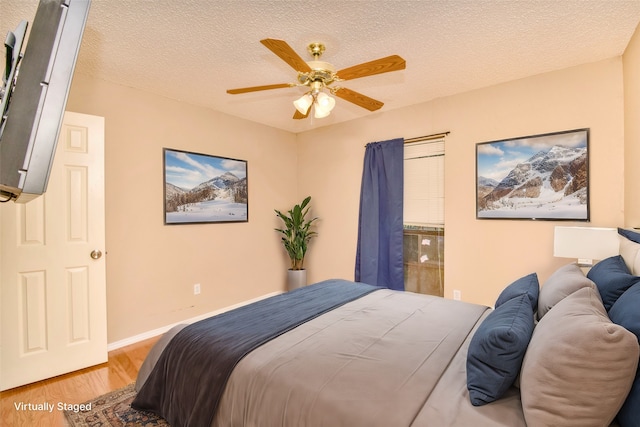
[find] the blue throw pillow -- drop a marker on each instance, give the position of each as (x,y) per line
(630,411)
(497,349)
(528,285)
(631,235)
(626,312)
(612,277)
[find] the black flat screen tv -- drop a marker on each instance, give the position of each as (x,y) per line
(35,88)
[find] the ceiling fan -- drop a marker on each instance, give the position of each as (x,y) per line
(319,75)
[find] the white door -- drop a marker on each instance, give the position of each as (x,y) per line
(52,265)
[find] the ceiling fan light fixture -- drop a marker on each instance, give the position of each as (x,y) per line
(319,113)
(318,75)
(303,103)
(325,101)
(324,105)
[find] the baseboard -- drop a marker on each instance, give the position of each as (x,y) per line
(159,331)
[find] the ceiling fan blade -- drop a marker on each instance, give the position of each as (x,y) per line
(257,88)
(287,54)
(358,99)
(378,66)
(298,115)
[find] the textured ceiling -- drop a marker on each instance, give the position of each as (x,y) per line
(193,50)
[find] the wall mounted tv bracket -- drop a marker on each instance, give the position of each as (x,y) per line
(13,48)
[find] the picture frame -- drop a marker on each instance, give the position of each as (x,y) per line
(202,188)
(538,177)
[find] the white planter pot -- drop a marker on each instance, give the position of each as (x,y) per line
(296,279)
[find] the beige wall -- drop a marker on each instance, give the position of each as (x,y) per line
(151,268)
(631,64)
(481,256)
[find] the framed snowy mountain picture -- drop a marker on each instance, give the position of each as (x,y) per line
(200,188)
(539,177)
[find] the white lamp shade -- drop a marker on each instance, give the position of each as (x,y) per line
(586,243)
(303,103)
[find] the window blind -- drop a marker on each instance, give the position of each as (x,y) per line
(424,183)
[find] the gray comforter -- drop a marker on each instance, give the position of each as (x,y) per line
(387,359)
(189,377)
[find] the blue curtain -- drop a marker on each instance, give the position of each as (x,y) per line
(379,253)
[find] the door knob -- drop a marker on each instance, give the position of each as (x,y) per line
(96,254)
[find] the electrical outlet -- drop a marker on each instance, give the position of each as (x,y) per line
(457,295)
(196,289)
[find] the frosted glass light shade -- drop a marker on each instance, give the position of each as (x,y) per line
(303,103)
(325,101)
(324,105)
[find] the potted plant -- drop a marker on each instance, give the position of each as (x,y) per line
(296,235)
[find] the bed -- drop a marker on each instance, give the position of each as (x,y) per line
(340,353)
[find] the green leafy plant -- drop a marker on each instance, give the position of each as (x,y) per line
(296,232)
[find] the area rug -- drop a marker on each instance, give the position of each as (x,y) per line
(114,410)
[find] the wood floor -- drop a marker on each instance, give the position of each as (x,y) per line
(76,387)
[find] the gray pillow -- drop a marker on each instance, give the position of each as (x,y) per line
(630,252)
(579,366)
(562,283)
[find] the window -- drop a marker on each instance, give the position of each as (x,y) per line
(424,183)
(424,216)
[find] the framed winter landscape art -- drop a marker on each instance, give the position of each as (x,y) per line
(200,188)
(543,177)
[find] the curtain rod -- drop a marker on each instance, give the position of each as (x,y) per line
(426,137)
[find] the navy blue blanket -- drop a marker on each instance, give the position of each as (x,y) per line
(189,378)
